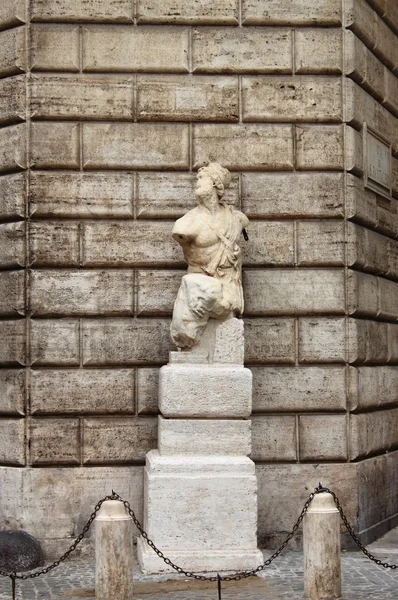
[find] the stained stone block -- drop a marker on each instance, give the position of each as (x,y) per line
(55,48)
(12,51)
(319,50)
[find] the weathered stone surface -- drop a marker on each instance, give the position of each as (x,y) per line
(82,10)
(393,342)
(373,432)
(362,65)
(297,99)
(125,341)
(88,97)
(125,48)
(55,342)
(19,551)
(388,298)
(78,194)
(321,243)
(149,302)
(361,203)
(185,98)
(170,195)
(320,147)
(289,291)
(12,293)
(12,245)
(55,145)
(204,437)
(248,147)
(269,341)
(82,391)
(12,196)
(370,251)
(222,12)
(354,161)
(82,292)
(130,243)
(12,392)
(315,389)
(323,437)
(13,148)
(270,243)
(55,441)
(322,340)
(12,99)
(369,342)
(319,50)
(13,346)
(274,12)
(360,17)
(362,296)
(12,12)
(55,48)
(147,390)
(391,91)
(231,50)
(273,195)
(373,387)
(274,438)
(135,145)
(12,51)
(118,440)
(54,243)
(12,442)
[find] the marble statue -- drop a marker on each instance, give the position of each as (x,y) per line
(209,236)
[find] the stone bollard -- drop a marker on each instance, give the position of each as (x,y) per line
(321,531)
(113,552)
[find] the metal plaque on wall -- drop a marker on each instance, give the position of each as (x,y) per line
(377,162)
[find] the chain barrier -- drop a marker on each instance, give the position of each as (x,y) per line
(215,578)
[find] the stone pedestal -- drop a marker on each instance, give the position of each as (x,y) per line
(200,486)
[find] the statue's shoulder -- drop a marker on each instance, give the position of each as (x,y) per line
(187,221)
(240,216)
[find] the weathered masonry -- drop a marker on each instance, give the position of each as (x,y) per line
(107,108)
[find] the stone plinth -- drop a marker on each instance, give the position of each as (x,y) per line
(200,486)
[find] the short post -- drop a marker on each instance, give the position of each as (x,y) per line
(321,531)
(113,552)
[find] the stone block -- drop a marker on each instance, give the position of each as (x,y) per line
(75,293)
(222,12)
(360,17)
(130,243)
(249,50)
(391,14)
(135,49)
(363,66)
(204,437)
(12,99)
(373,387)
(118,440)
(82,391)
(371,341)
(321,243)
(55,441)
(13,346)
(385,46)
(12,392)
(270,243)
(126,341)
(297,12)
(354,159)
(88,97)
(393,342)
(298,99)
(82,10)
(186,98)
(55,48)
(12,51)
(12,245)
(323,437)
(320,147)
(12,442)
(149,301)
(269,195)
(315,388)
(370,251)
(171,195)
(53,244)
(373,433)
(55,145)
(247,147)
(78,194)
(388,291)
(318,50)
(55,342)
(12,196)
(294,292)
(147,390)
(391,94)
(12,293)
(361,203)
(205,391)
(274,438)
(135,145)
(269,341)
(322,340)
(362,295)
(387,216)
(12,12)
(13,148)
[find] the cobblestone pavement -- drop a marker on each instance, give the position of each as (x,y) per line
(362,580)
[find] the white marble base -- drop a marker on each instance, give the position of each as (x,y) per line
(201,512)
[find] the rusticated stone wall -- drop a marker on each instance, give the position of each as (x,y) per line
(107,108)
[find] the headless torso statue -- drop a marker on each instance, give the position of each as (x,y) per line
(209,236)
